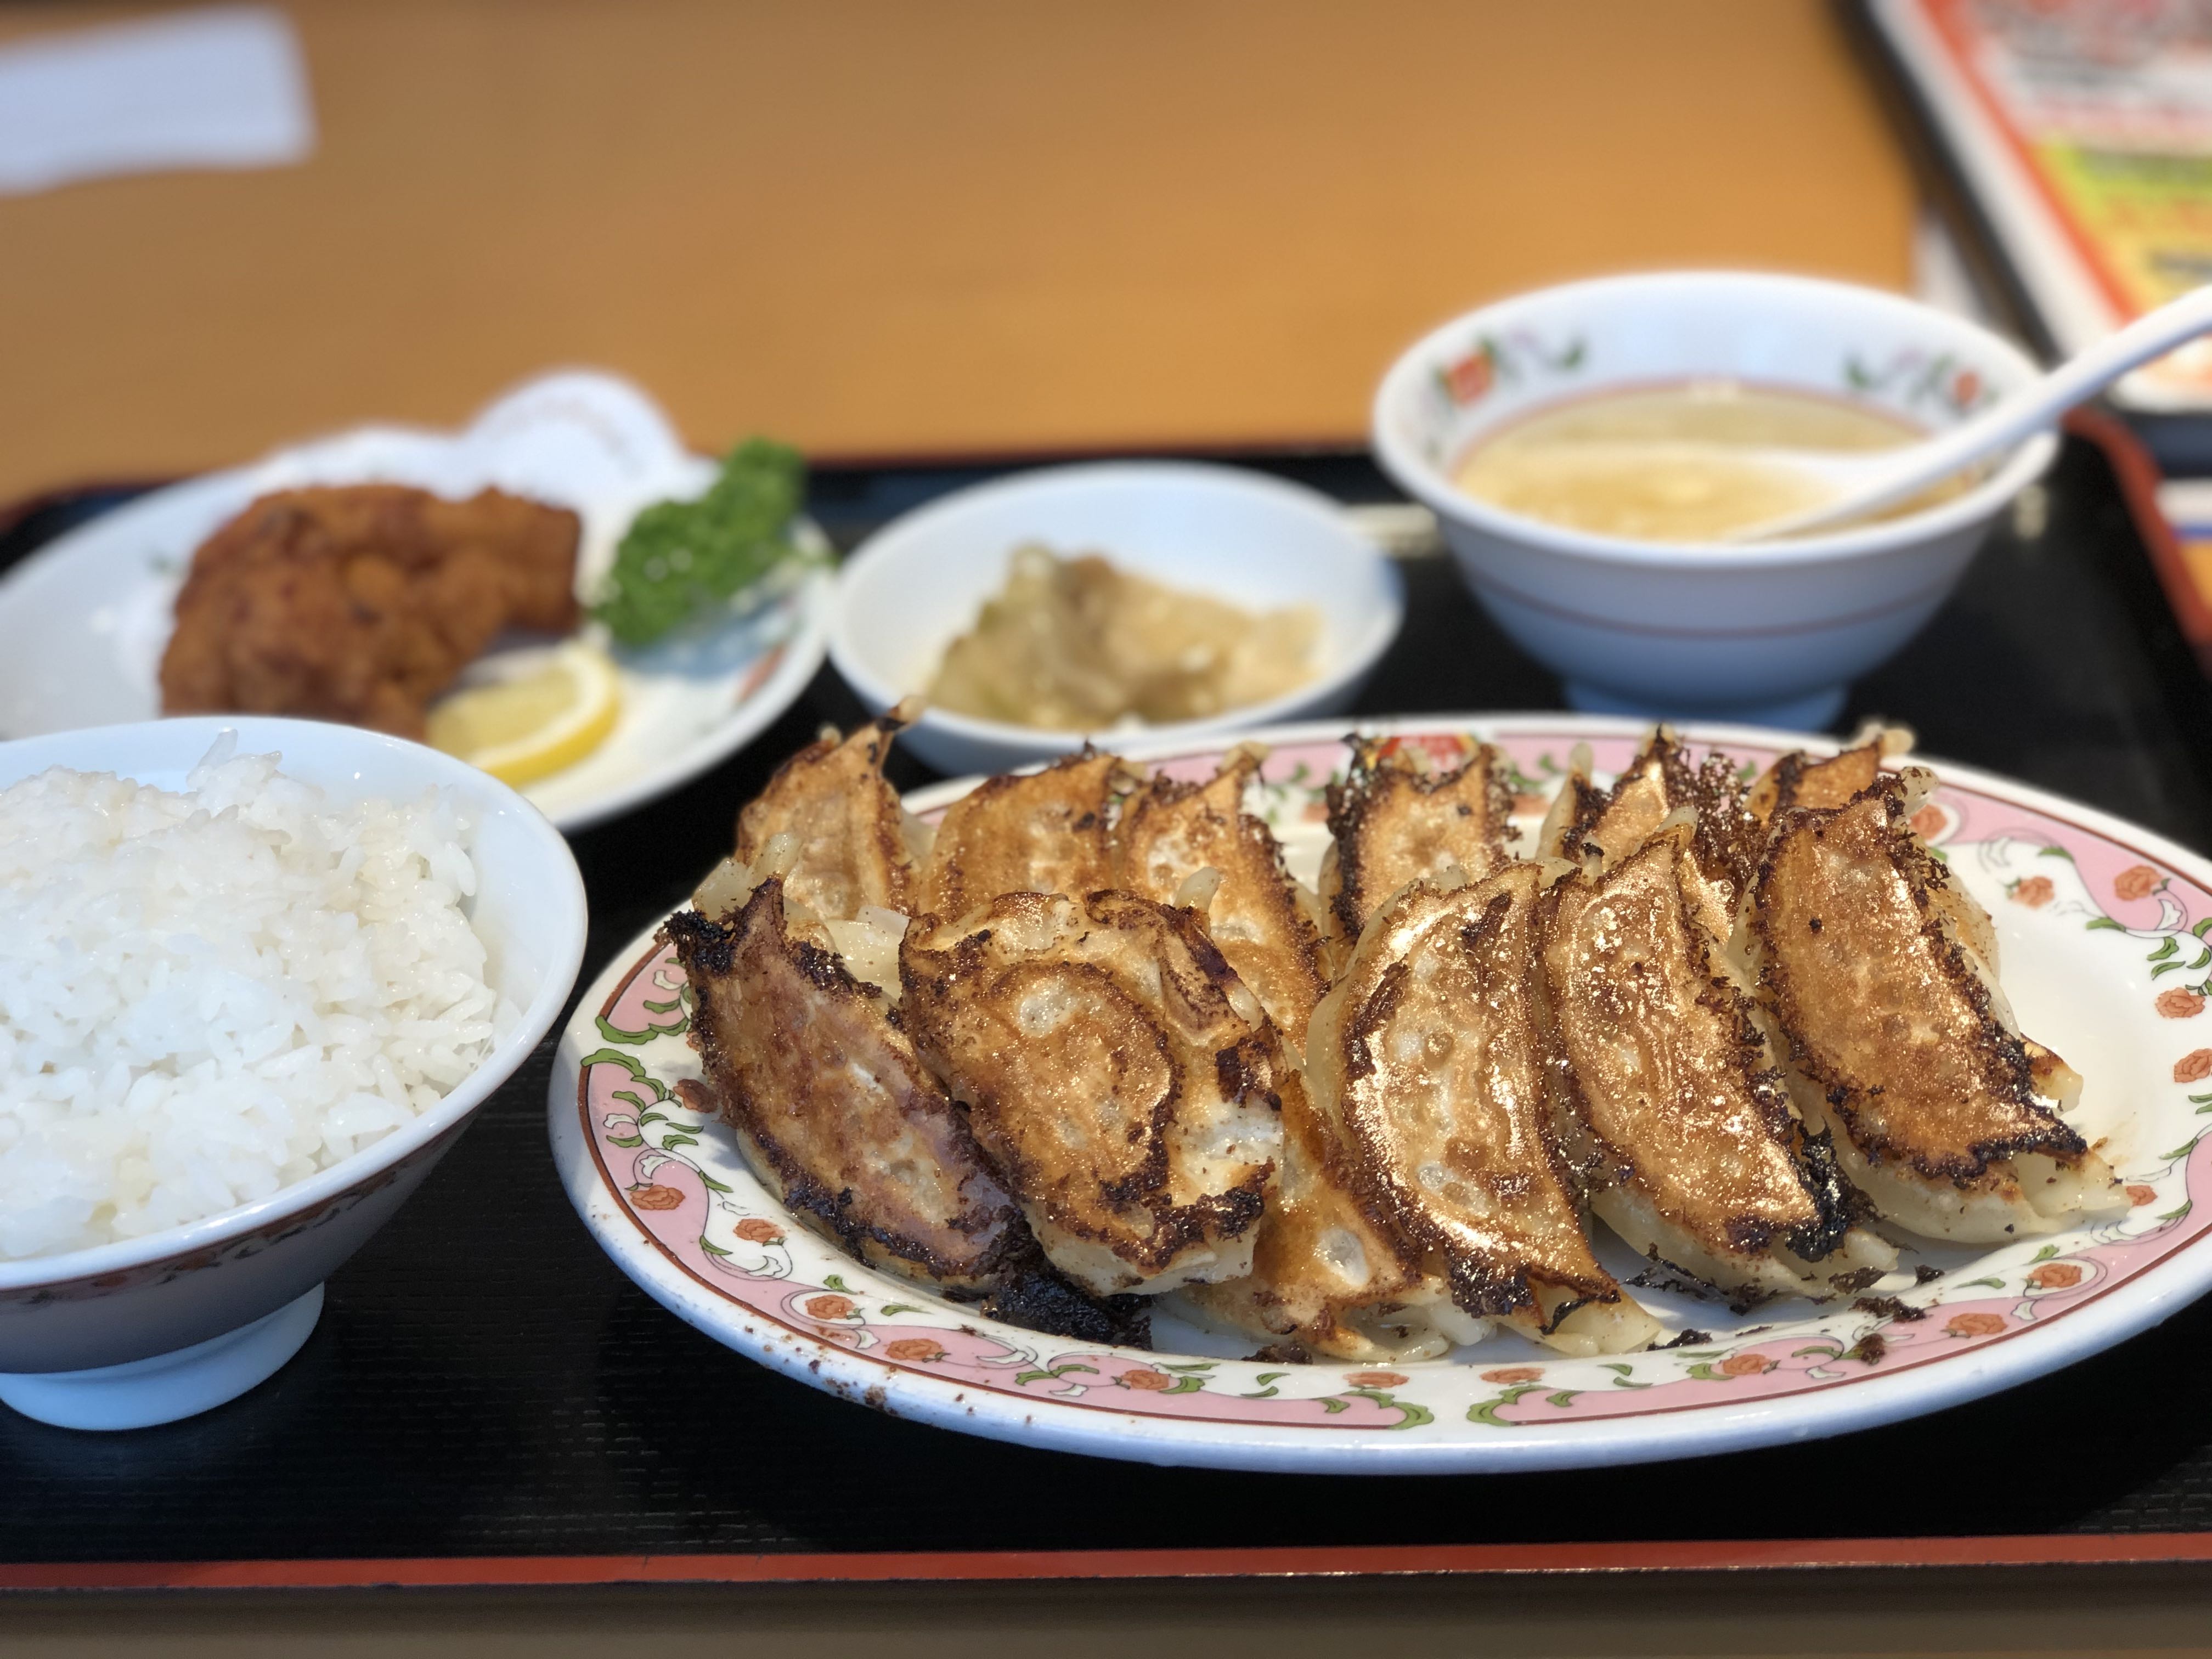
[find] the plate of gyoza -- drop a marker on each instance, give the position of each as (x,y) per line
(1464,1093)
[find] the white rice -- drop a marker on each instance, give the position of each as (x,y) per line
(207,996)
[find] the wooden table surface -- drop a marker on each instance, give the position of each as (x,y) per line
(881,229)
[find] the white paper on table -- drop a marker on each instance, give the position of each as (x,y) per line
(220,88)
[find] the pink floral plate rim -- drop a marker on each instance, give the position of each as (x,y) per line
(2108,902)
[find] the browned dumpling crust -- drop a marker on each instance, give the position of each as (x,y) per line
(1121,1080)
(1332,1275)
(1395,823)
(1599,828)
(1039,832)
(852,851)
(1170,832)
(833,1108)
(1427,1058)
(1824,782)
(1900,1037)
(1668,1097)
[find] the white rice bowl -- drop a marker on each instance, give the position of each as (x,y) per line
(206,996)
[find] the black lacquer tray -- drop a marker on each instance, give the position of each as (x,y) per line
(487,1400)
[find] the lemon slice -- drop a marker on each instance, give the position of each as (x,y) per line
(548,713)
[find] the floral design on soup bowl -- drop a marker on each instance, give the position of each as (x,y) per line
(1771,633)
(150,1329)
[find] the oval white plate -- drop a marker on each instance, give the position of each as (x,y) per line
(84,620)
(2103,932)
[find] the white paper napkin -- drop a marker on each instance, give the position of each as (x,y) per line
(220,88)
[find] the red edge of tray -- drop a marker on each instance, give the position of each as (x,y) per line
(1014,1566)
(2138,477)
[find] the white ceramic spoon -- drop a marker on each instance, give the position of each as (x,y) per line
(1867,481)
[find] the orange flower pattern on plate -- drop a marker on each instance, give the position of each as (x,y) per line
(830,1307)
(758,1229)
(2033,892)
(656,1198)
(1144,1382)
(1514,1374)
(1975,1324)
(1746,1365)
(2194,1066)
(2138,881)
(1375,1379)
(2179,1003)
(2055,1276)
(925,1349)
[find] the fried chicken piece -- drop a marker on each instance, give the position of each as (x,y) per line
(1121,1080)
(1427,1058)
(1901,1042)
(1037,832)
(1170,832)
(855,846)
(1393,823)
(1668,1100)
(361,602)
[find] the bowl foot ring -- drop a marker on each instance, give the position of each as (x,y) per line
(1814,711)
(167,1386)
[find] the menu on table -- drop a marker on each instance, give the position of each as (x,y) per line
(2083,129)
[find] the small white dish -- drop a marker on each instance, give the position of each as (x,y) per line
(156,1328)
(909,590)
(1772,633)
(83,622)
(2103,929)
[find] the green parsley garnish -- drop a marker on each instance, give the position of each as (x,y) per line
(680,557)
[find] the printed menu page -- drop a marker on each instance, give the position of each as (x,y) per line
(2084,128)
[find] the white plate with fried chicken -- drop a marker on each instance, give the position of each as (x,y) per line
(363,577)
(1481,1093)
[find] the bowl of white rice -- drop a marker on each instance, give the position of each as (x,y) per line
(255,977)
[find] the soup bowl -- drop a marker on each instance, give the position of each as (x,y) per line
(1769,634)
(149,1329)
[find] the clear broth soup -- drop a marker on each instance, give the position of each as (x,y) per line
(1668,462)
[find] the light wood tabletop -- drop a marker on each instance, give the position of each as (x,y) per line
(887,230)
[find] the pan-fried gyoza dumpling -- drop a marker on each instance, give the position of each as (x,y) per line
(1426,1059)
(851,846)
(1120,1080)
(1826,781)
(1395,821)
(1330,1275)
(1037,832)
(832,1108)
(1599,828)
(1900,1040)
(1171,833)
(1667,1097)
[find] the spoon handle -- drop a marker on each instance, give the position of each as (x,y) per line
(2082,377)
(2027,412)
